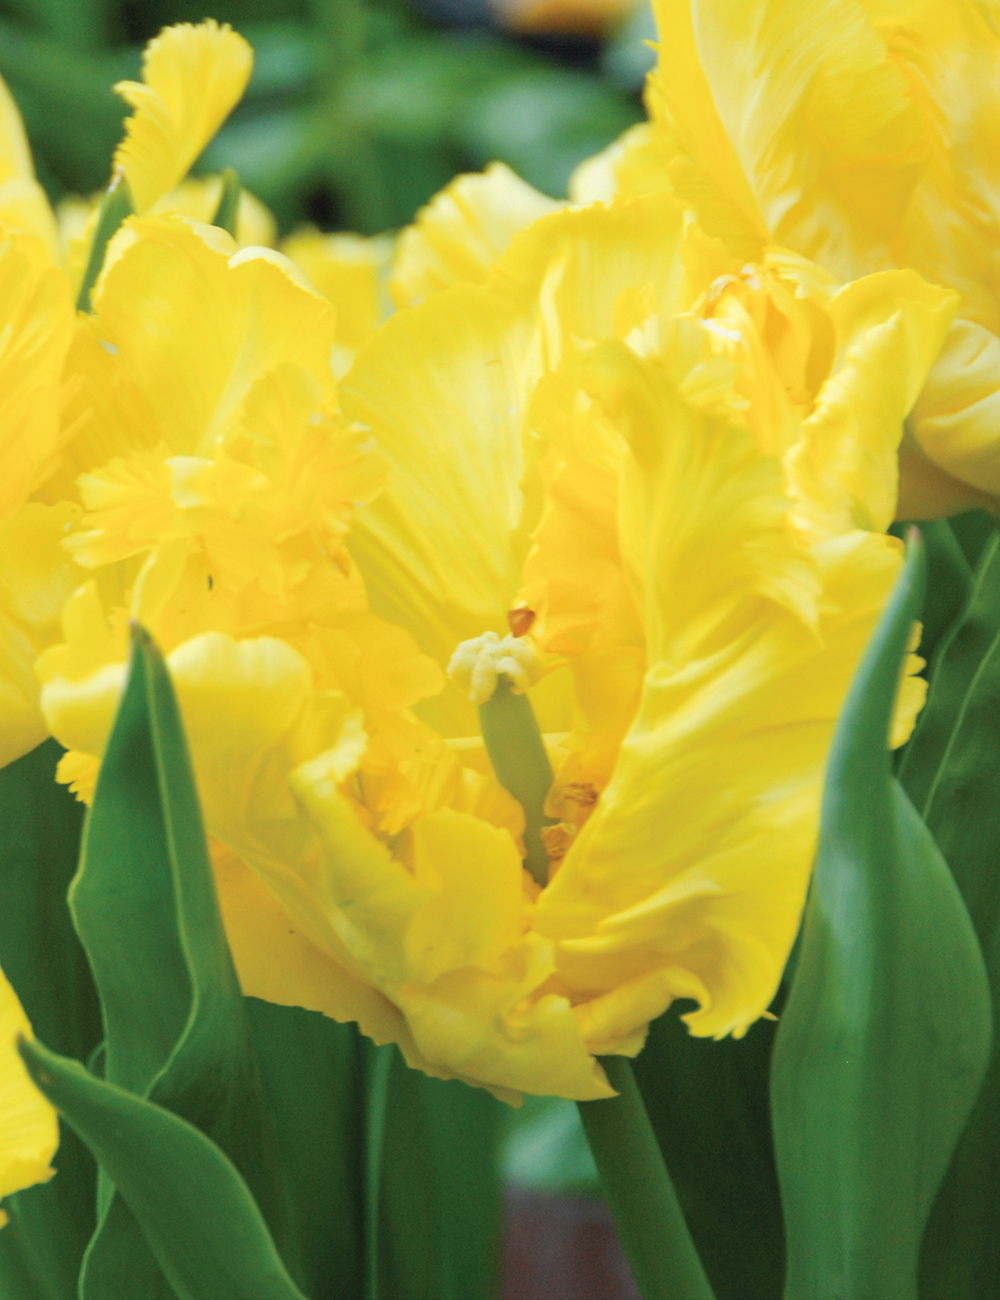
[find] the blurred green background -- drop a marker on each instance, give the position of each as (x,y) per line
(358,110)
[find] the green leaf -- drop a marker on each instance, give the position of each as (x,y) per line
(145,908)
(883,1045)
(709,1107)
(952,774)
(115,207)
(195,1211)
(961,657)
(43,1244)
(949,582)
(973,529)
(313,1070)
(434,1176)
(228,209)
(415,91)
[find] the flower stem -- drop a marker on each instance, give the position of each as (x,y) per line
(639,1191)
(517,752)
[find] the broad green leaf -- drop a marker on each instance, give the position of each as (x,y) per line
(949,582)
(43,1244)
(201,1222)
(708,1104)
(973,530)
(961,657)
(882,1047)
(952,774)
(145,908)
(434,1176)
(313,1072)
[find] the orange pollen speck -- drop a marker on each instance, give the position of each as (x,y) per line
(520,620)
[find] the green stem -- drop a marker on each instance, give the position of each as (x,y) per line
(639,1191)
(115,207)
(517,751)
(228,210)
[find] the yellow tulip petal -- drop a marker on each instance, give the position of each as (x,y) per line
(707,171)
(277,962)
(463,232)
(351,273)
(36,324)
(844,470)
(487,1029)
(812,110)
(955,418)
(23,205)
(29,1129)
(753,640)
(638,162)
(36,577)
(478,911)
(192,78)
(198,198)
(948,54)
(231,317)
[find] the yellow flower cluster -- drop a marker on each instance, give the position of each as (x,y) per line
(655,438)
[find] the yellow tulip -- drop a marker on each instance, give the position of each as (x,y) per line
(671,466)
(220,482)
(194,75)
(464,230)
(718,449)
(862,136)
(29,1129)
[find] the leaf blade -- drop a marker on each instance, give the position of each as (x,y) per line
(188,1197)
(874,1075)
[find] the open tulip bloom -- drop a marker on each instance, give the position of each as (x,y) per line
(491,670)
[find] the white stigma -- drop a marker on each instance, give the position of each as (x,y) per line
(476,665)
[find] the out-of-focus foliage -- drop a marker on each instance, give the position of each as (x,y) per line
(357,112)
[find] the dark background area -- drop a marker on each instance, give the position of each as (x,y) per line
(358,111)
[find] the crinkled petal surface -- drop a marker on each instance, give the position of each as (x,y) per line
(463,232)
(192,78)
(689,877)
(445,387)
(184,324)
(434,957)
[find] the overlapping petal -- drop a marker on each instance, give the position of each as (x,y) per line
(463,232)
(429,950)
(351,272)
(445,389)
(862,135)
